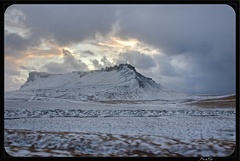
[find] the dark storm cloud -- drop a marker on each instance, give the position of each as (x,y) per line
(202,35)
(216,76)
(68,23)
(69,64)
(88,52)
(179,28)
(14,44)
(137,59)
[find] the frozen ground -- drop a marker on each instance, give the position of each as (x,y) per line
(36,143)
(118,128)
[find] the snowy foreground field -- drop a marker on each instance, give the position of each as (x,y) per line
(188,127)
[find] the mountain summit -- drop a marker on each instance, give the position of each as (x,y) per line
(120,82)
(124,74)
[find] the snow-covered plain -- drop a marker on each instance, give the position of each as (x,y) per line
(114,111)
(138,128)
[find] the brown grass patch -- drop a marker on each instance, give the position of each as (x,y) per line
(225,102)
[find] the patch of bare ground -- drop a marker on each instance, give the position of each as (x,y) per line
(74,145)
(225,102)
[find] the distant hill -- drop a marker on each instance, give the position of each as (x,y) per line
(120,82)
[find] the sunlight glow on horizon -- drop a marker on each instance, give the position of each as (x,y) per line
(127,43)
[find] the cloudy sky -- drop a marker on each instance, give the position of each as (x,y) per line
(187,48)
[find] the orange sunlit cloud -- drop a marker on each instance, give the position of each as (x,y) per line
(129,45)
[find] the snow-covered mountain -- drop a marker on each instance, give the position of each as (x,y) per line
(121,82)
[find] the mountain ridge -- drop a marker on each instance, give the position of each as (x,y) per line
(129,69)
(120,82)
(32,75)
